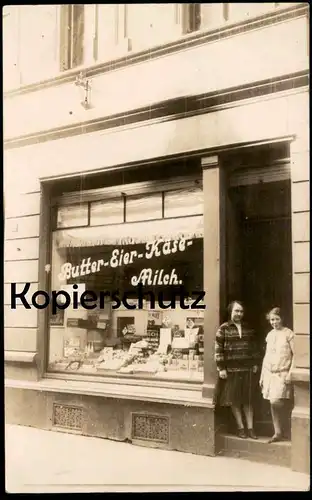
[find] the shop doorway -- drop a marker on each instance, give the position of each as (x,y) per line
(259,256)
(266,269)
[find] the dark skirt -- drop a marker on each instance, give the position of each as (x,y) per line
(239,388)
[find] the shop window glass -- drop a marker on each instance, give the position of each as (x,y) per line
(72,216)
(106,332)
(107,212)
(143,207)
(183,202)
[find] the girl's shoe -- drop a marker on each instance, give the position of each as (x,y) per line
(275,438)
(251,434)
(241,433)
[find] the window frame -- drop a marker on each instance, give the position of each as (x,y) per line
(124,192)
(191,18)
(78,205)
(135,188)
(48,205)
(72,29)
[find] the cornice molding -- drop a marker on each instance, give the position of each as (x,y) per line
(185,42)
(171,109)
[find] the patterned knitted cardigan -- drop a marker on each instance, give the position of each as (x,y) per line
(233,353)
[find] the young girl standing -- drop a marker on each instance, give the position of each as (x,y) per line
(278,361)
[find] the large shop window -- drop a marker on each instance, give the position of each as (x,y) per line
(139,255)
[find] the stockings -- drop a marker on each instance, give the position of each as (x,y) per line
(248,410)
(277,407)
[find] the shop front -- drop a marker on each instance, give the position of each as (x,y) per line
(139,258)
(123,306)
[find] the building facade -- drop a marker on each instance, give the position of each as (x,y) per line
(167,145)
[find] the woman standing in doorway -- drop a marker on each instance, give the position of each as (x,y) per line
(237,358)
(275,380)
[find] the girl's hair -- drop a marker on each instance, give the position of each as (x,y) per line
(231,306)
(276,311)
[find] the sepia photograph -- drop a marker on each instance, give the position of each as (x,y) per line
(156,209)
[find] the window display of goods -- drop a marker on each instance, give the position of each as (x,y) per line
(130,329)
(116,361)
(142,344)
(177,353)
(112,364)
(74,359)
(96,338)
(154,364)
(162,349)
(149,367)
(130,339)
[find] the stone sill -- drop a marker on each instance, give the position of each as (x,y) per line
(175,396)
(301,375)
(19,357)
(301,412)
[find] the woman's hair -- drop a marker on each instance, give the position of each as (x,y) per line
(231,306)
(276,311)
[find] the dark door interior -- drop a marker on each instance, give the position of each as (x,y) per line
(260,261)
(267,270)
(266,282)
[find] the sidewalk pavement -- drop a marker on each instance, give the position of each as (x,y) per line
(39,461)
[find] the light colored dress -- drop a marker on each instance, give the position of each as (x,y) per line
(276,364)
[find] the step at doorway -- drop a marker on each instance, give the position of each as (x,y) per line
(255,450)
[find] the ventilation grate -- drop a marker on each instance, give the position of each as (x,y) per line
(150,428)
(68,417)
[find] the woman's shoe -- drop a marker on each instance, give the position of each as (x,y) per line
(275,438)
(241,433)
(251,434)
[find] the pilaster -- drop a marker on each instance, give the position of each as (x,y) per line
(300,199)
(214,261)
